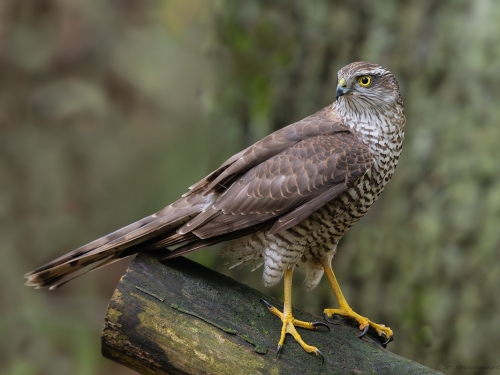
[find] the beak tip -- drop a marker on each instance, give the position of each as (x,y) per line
(339,92)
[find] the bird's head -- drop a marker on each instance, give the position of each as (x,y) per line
(363,86)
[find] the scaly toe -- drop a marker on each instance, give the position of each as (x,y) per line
(364,323)
(289,324)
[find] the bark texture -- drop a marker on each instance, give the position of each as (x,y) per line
(182,318)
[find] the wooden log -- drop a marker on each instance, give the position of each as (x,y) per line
(182,318)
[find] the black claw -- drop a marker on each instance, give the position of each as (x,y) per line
(325,316)
(269,306)
(384,344)
(321,355)
(320,324)
(365,330)
(279,350)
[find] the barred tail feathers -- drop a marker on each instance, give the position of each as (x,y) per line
(116,245)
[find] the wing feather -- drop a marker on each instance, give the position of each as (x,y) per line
(275,183)
(288,187)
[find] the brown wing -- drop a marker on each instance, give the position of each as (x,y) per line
(323,122)
(271,179)
(286,187)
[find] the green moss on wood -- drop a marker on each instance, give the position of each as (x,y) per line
(186,319)
(193,343)
(113,315)
(117,297)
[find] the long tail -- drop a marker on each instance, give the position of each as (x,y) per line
(159,227)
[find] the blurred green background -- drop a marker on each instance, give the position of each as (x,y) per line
(109,110)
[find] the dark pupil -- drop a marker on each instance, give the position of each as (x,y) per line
(364,80)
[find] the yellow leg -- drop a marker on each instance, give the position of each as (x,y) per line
(289,322)
(345,310)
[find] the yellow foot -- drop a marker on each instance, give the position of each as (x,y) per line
(289,324)
(364,323)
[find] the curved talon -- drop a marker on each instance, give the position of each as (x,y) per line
(325,316)
(365,330)
(279,350)
(318,353)
(320,324)
(384,344)
(269,306)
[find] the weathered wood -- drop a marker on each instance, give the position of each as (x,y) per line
(182,318)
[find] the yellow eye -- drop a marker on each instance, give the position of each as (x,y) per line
(365,81)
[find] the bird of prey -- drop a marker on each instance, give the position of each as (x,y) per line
(283,202)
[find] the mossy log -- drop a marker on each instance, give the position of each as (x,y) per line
(182,318)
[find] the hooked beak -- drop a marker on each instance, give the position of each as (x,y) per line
(341,88)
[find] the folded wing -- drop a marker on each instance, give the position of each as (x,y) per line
(273,184)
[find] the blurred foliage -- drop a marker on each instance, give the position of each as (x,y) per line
(109,110)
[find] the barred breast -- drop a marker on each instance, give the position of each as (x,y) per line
(318,235)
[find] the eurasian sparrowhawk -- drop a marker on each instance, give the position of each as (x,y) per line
(283,202)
